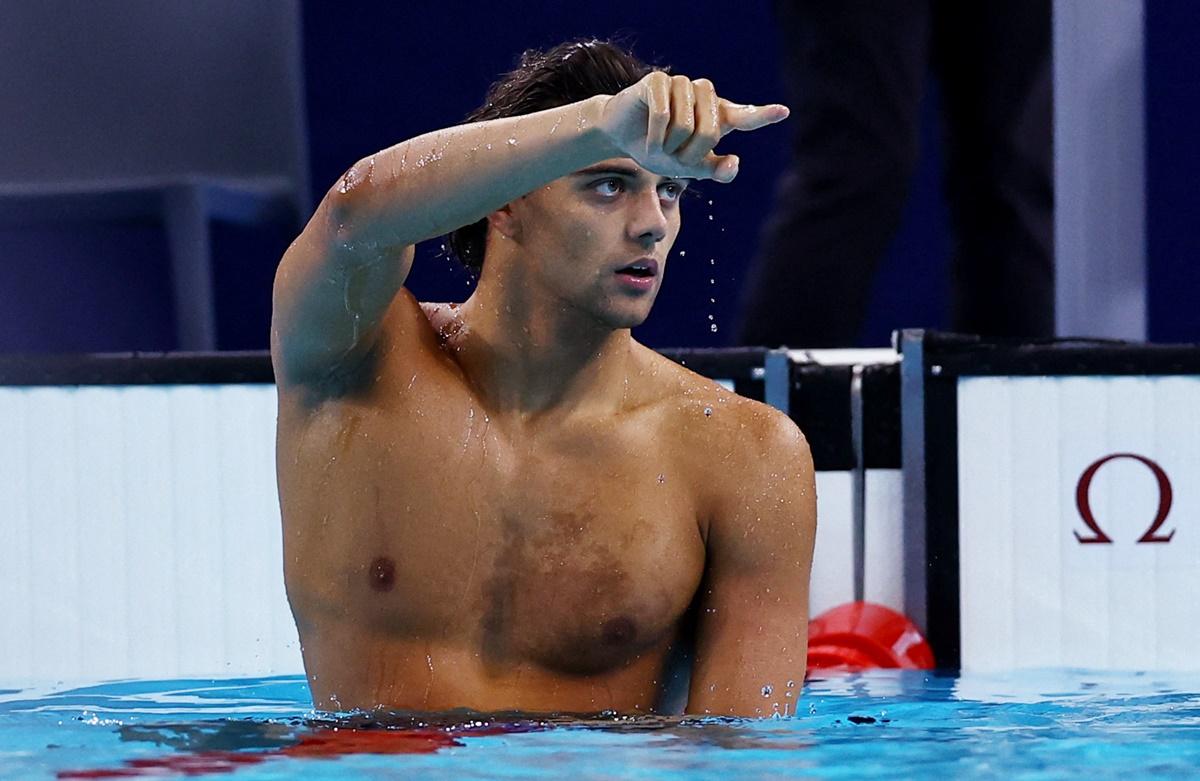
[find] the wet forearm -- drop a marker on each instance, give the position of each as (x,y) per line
(437,182)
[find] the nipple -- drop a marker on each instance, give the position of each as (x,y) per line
(382,574)
(618,631)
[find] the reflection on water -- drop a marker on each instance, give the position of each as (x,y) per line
(886,724)
(226,746)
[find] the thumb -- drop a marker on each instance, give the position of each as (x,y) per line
(738,116)
(721,168)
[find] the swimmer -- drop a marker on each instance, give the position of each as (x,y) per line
(510,504)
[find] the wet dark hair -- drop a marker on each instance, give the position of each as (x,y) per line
(570,72)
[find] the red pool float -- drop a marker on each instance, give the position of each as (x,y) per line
(863,636)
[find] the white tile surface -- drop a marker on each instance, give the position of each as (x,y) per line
(139,534)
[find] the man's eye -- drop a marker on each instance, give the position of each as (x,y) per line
(676,190)
(617,184)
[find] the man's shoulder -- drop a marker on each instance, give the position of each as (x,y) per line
(743,458)
(723,434)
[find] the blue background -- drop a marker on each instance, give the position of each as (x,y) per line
(375,78)
(377,73)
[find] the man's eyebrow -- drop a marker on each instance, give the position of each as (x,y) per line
(621,170)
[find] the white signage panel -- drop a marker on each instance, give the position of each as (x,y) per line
(140,534)
(832,582)
(1079,520)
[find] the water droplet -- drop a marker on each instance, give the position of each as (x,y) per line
(711,317)
(710,202)
(712,261)
(713,328)
(710,216)
(712,300)
(682,252)
(489,146)
(708,412)
(512,142)
(662,479)
(712,281)
(350,180)
(766,690)
(791,684)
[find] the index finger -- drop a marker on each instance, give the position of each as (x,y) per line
(739,116)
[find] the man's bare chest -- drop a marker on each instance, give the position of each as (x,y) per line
(577,551)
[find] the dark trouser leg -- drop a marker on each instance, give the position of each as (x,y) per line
(854,69)
(993,60)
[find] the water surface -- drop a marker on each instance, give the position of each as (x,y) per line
(885,724)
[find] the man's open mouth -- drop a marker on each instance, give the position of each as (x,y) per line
(646,267)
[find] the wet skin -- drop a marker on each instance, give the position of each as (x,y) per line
(445,547)
(453,561)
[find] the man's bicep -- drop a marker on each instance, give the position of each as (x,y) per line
(752,629)
(751,649)
(329,298)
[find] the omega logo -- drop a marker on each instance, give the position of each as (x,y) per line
(1085,506)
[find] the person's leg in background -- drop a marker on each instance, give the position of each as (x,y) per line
(993,59)
(855,71)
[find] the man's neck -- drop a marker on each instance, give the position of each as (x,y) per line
(536,357)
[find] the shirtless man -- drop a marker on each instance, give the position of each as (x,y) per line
(511,504)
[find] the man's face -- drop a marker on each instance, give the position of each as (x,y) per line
(598,238)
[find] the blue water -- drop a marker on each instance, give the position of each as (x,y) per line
(885,724)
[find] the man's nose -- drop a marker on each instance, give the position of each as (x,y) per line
(648,221)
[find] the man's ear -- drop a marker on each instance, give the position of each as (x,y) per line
(504,222)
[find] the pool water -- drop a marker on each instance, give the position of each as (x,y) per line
(883,724)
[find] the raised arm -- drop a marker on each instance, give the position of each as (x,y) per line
(339,276)
(752,633)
